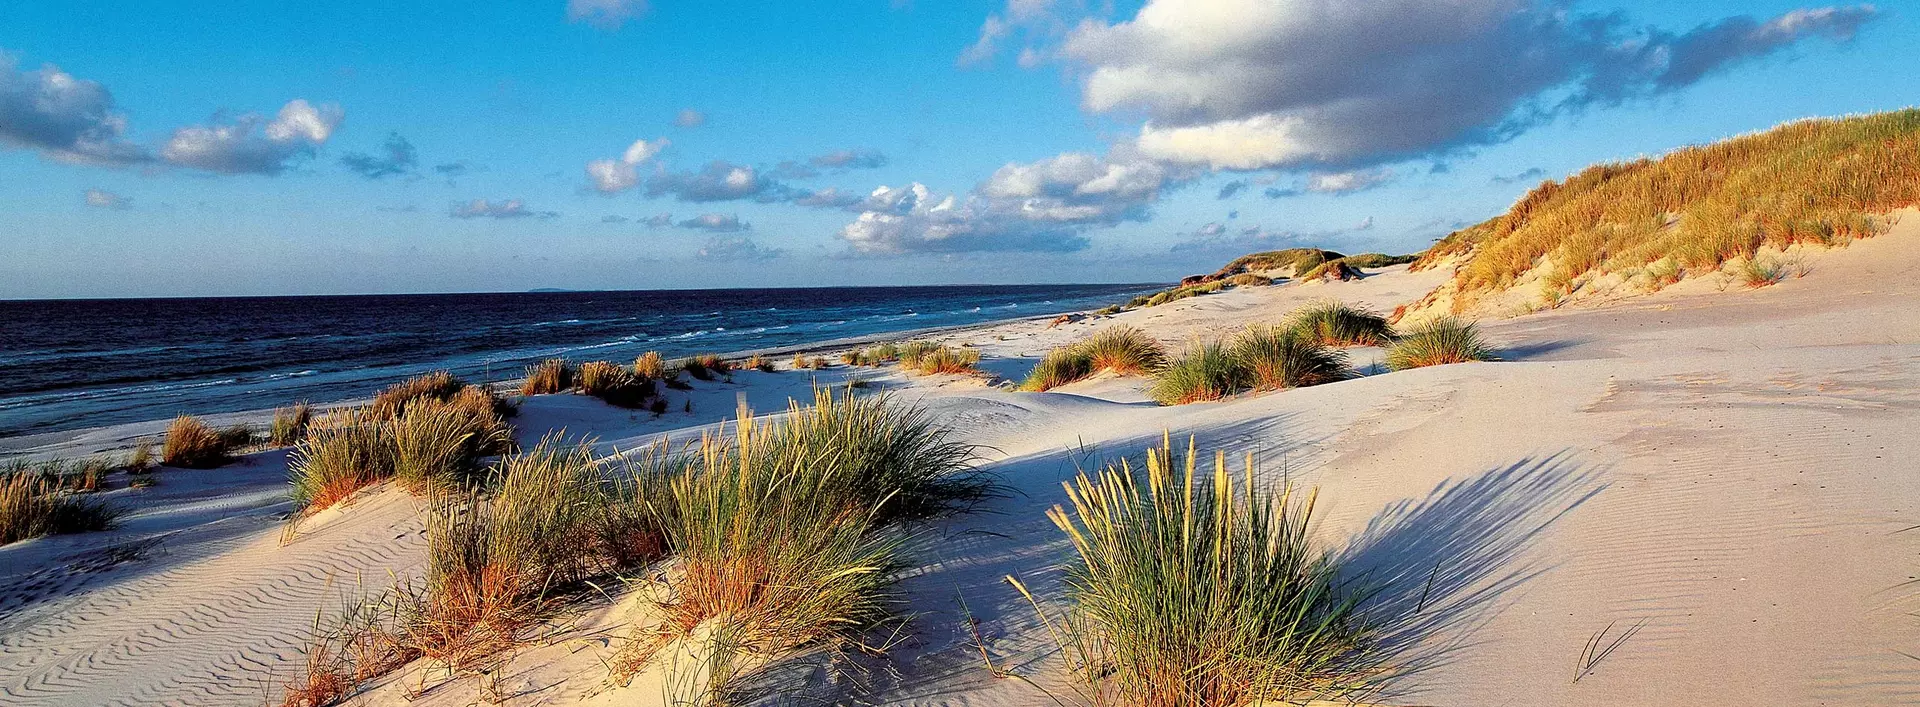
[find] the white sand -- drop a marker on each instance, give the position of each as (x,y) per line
(1734,470)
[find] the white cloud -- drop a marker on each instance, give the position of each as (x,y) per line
(65,118)
(689,118)
(718,181)
(103,199)
(612,176)
(252,144)
(1257,84)
(849,159)
(504,209)
(728,248)
(605,14)
(717,223)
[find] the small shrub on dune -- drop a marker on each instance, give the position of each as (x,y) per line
(1442,341)
(1286,358)
(1335,323)
(1057,368)
(697,367)
(438,385)
(911,352)
(290,424)
(852,358)
(759,363)
(650,366)
(614,384)
(191,444)
(34,504)
(547,377)
(1206,371)
(1124,350)
(1196,591)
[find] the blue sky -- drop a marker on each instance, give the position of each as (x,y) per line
(237,148)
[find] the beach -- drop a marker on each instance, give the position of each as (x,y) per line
(1722,474)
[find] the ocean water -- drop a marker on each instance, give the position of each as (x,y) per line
(69,364)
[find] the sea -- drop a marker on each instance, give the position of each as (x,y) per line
(72,364)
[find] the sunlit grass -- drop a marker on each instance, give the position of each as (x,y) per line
(1442,341)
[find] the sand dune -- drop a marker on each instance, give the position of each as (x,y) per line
(1729,471)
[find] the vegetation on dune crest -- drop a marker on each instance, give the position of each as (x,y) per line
(1057,368)
(928,359)
(1442,341)
(430,444)
(1124,350)
(547,377)
(290,424)
(1822,181)
(1190,590)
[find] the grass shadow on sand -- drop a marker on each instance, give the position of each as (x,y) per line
(1442,564)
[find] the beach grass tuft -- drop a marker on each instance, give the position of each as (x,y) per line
(936,359)
(1057,368)
(1124,350)
(438,385)
(650,366)
(554,375)
(1335,323)
(618,385)
(1198,589)
(192,444)
(34,504)
(290,424)
(1274,358)
(1205,371)
(1442,341)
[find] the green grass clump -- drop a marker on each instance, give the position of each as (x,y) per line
(1205,371)
(191,444)
(438,445)
(1821,181)
(1124,350)
(33,504)
(290,424)
(1057,368)
(887,459)
(1334,323)
(547,377)
(1272,359)
(1442,341)
(1292,260)
(1189,590)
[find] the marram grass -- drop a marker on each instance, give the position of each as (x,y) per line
(1190,588)
(1205,371)
(1334,323)
(1442,341)
(1272,358)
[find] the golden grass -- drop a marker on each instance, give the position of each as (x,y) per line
(290,424)
(650,366)
(33,504)
(547,377)
(438,385)
(1821,181)
(616,384)
(936,359)
(430,446)
(191,444)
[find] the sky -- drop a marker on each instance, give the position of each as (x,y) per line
(228,147)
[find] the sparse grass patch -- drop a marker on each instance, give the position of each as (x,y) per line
(1760,270)
(191,444)
(33,504)
(290,424)
(1196,591)
(759,363)
(1205,371)
(547,377)
(1272,359)
(1442,341)
(1334,323)
(697,367)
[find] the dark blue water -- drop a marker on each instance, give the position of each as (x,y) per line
(68,364)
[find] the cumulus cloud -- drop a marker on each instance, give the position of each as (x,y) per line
(717,223)
(504,209)
(1531,175)
(689,118)
(1259,84)
(252,144)
(1045,205)
(1034,19)
(65,118)
(397,157)
(103,199)
(612,176)
(605,14)
(733,248)
(1347,182)
(718,181)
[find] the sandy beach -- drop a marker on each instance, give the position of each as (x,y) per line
(1726,470)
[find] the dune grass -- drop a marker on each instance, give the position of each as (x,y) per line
(937,359)
(759,363)
(649,365)
(430,445)
(1378,260)
(34,504)
(192,444)
(554,375)
(1760,270)
(1292,260)
(1274,358)
(1821,181)
(1205,371)
(439,445)
(1058,367)
(1442,341)
(438,385)
(1334,323)
(343,452)
(618,385)
(290,424)
(1198,589)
